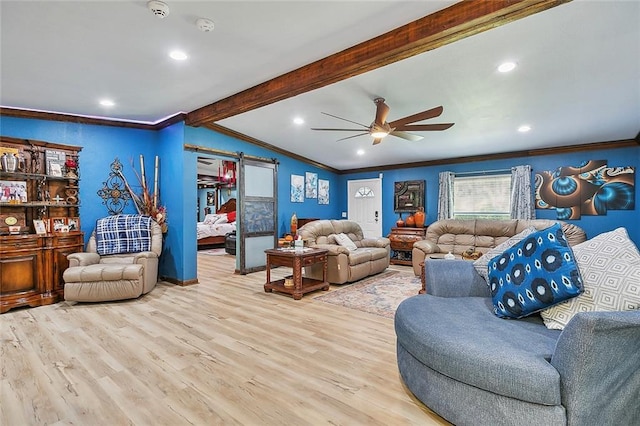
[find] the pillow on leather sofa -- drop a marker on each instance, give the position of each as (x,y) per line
(343,240)
(538,272)
(481,263)
(610,267)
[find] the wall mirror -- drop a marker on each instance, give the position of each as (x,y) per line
(409,195)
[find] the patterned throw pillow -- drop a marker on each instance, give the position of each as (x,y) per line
(125,233)
(481,263)
(536,273)
(343,240)
(610,267)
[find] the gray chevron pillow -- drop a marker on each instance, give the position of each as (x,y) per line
(610,267)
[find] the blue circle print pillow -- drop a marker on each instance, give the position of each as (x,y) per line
(538,272)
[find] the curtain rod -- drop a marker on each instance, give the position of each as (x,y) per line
(483,172)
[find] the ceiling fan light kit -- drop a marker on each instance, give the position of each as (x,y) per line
(380,128)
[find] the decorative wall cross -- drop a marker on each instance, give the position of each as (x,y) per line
(113,193)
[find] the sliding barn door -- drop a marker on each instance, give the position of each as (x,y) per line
(257,210)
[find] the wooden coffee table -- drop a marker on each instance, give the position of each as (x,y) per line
(296,260)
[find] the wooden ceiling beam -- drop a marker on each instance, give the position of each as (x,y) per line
(449,25)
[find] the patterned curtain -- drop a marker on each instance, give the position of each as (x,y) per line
(522,206)
(445,195)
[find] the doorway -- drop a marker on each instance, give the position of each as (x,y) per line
(365,205)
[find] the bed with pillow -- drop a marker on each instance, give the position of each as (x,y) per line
(215,227)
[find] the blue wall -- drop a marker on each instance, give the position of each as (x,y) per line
(592,225)
(178,189)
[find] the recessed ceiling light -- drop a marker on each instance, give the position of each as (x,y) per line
(507,66)
(178,55)
(107,102)
(298,120)
(360,152)
(524,128)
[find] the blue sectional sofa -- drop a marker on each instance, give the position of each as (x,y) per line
(474,368)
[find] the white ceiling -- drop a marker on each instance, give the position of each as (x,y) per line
(577,80)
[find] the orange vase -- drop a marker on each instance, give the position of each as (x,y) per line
(410,221)
(419,217)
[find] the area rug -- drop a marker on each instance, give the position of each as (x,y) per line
(380,294)
(213,252)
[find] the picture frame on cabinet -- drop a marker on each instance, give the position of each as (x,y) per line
(13,191)
(55,170)
(73,223)
(54,161)
(40,227)
(56,224)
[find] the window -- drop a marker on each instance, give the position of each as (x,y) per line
(482,197)
(364,191)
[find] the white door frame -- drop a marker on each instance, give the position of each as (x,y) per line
(370,219)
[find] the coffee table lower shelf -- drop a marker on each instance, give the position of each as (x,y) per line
(308,285)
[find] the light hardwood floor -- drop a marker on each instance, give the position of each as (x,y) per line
(219,352)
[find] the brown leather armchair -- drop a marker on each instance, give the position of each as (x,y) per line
(95,278)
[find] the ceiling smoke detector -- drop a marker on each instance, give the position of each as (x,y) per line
(159,8)
(204,24)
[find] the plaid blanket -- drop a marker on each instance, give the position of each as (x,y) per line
(125,233)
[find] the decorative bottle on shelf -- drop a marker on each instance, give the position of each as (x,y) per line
(294,224)
(410,221)
(419,217)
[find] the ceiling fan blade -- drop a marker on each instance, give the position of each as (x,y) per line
(354,136)
(430,113)
(408,136)
(340,118)
(426,127)
(382,110)
(340,130)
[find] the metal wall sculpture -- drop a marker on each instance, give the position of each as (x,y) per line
(408,196)
(592,188)
(113,192)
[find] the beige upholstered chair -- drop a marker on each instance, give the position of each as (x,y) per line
(92,277)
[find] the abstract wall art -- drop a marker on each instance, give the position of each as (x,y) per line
(591,188)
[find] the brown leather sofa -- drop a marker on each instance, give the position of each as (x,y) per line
(458,236)
(371,256)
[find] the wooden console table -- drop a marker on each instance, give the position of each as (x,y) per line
(296,260)
(402,239)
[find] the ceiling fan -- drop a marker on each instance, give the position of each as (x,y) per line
(399,128)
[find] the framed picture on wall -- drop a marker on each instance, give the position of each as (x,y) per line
(408,195)
(311,185)
(323,191)
(297,189)
(211,200)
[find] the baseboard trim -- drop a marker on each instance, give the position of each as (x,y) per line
(180,282)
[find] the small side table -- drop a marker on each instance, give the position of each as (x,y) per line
(296,260)
(402,239)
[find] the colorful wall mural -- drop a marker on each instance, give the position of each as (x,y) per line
(592,188)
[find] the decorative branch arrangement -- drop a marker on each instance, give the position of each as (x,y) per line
(147,202)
